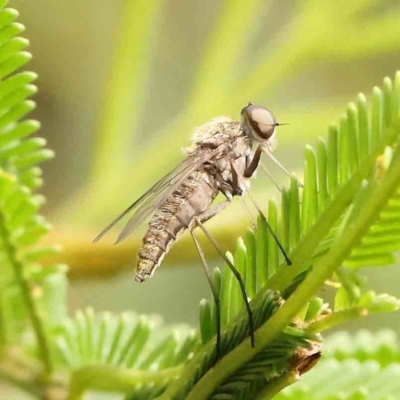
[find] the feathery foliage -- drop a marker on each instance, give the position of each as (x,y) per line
(344,219)
(31,298)
(127,346)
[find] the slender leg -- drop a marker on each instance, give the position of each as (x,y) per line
(236,190)
(215,210)
(263,217)
(253,163)
(211,212)
(247,211)
(275,160)
(237,276)
(270,176)
(215,293)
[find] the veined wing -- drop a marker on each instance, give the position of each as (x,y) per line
(157,194)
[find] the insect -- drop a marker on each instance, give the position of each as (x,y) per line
(220,160)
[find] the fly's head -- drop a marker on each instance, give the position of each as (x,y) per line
(259,125)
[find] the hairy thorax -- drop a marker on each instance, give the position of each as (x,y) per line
(228,135)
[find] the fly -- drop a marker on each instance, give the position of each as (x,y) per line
(221,160)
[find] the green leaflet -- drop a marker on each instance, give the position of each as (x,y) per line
(22,308)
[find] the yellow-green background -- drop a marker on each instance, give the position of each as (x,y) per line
(123,83)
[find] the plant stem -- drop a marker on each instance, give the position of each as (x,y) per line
(37,323)
(337,318)
(277,385)
(322,270)
(116,379)
(120,109)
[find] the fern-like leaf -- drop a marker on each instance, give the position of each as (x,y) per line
(27,292)
(123,346)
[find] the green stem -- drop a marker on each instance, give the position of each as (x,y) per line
(337,318)
(37,323)
(222,57)
(277,385)
(104,378)
(123,96)
(322,270)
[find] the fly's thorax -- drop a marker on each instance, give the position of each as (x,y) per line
(241,147)
(218,132)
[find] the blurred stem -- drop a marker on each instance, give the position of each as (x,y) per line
(33,312)
(87,259)
(273,69)
(277,385)
(123,380)
(337,318)
(219,64)
(386,41)
(309,37)
(126,87)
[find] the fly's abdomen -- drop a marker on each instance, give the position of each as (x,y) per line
(173,217)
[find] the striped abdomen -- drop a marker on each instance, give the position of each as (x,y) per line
(175,215)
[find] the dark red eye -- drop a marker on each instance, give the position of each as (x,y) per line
(261,121)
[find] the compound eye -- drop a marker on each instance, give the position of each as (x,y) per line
(261,120)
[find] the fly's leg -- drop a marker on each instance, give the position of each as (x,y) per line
(253,163)
(253,223)
(215,293)
(270,177)
(275,160)
(235,272)
(262,215)
(211,212)
(204,217)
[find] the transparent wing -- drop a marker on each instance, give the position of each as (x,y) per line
(157,194)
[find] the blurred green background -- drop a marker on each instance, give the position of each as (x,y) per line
(122,85)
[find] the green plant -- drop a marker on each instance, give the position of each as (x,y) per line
(20,225)
(345,218)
